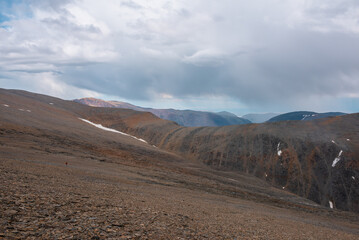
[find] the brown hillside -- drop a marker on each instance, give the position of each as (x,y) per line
(116,186)
(304,167)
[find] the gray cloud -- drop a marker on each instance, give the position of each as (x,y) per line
(259,53)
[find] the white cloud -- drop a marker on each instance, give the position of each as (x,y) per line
(257,52)
(325,16)
(46,82)
(207,57)
(166,96)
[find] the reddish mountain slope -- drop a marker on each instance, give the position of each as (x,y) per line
(117,185)
(296,156)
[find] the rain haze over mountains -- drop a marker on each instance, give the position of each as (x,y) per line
(236,56)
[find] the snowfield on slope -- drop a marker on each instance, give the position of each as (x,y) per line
(111,130)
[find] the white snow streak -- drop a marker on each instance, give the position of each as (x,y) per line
(28,110)
(279,152)
(20,109)
(337,159)
(330,204)
(111,130)
(334,142)
(139,139)
(353,177)
(5,105)
(51,103)
(348,139)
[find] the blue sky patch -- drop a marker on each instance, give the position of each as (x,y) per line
(8,9)
(3,18)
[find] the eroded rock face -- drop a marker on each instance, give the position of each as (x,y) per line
(295,156)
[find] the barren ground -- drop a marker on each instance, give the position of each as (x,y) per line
(115,187)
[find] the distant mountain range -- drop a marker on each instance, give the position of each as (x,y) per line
(259,117)
(188,118)
(191,118)
(304,116)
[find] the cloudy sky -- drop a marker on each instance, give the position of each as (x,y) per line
(234,55)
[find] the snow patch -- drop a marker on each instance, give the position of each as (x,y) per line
(112,130)
(154,146)
(330,204)
(139,139)
(20,109)
(353,177)
(348,139)
(28,110)
(279,152)
(283,187)
(337,159)
(266,174)
(51,103)
(5,105)
(305,116)
(334,142)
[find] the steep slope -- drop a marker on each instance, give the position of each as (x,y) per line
(304,116)
(315,159)
(259,117)
(187,118)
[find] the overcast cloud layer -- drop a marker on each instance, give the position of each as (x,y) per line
(243,56)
